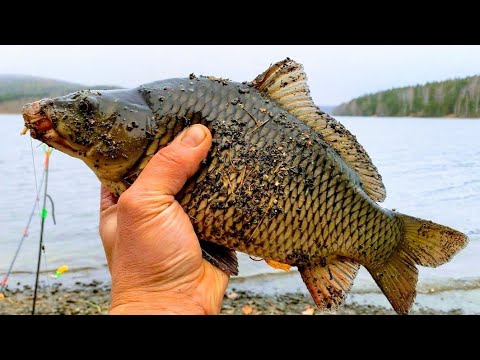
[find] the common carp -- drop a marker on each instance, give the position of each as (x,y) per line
(283,180)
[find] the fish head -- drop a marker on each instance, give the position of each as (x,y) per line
(109,130)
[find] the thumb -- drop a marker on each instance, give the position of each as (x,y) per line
(169,169)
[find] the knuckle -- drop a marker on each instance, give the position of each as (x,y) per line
(127,200)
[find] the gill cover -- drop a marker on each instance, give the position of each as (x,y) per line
(109,130)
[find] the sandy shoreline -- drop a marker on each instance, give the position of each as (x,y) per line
(93,298)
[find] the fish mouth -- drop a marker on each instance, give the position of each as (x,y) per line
(37,119)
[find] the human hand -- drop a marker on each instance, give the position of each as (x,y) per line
(152,251)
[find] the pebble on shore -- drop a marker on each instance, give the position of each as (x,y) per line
(93,299)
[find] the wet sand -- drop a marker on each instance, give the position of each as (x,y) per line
(93,298)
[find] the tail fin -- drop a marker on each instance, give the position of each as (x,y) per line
(430,244)
(425,243)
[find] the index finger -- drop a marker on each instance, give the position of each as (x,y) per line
(107,199)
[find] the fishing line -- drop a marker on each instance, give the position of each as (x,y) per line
(48,151)
(46,265)
(34,169)
(252,258)
(3,284)
(43,247)
(53,209)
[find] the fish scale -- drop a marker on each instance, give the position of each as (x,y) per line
(282,181)
(254,230)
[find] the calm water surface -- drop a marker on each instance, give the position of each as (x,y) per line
(430,167)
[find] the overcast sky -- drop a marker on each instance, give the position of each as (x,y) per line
(336,73)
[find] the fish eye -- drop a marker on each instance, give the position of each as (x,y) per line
(84,106)
(87,105)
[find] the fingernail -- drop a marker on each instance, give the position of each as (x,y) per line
(194,136)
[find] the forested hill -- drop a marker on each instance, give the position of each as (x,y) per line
(17,90)
(452,98)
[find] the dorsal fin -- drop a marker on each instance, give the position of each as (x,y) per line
(286,83)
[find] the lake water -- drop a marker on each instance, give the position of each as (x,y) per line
(430,167)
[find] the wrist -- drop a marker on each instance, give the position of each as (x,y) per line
(148,303)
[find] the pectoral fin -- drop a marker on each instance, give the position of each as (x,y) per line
(221,257)
(277,265)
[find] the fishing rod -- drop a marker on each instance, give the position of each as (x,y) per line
(48,152)
(3,284)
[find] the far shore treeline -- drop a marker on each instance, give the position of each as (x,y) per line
(18,90)
(452,98)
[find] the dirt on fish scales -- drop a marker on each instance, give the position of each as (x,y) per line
(265,165)
(368,234)
(232,128)
(282,181)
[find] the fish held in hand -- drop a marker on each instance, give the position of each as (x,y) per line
(283,180)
